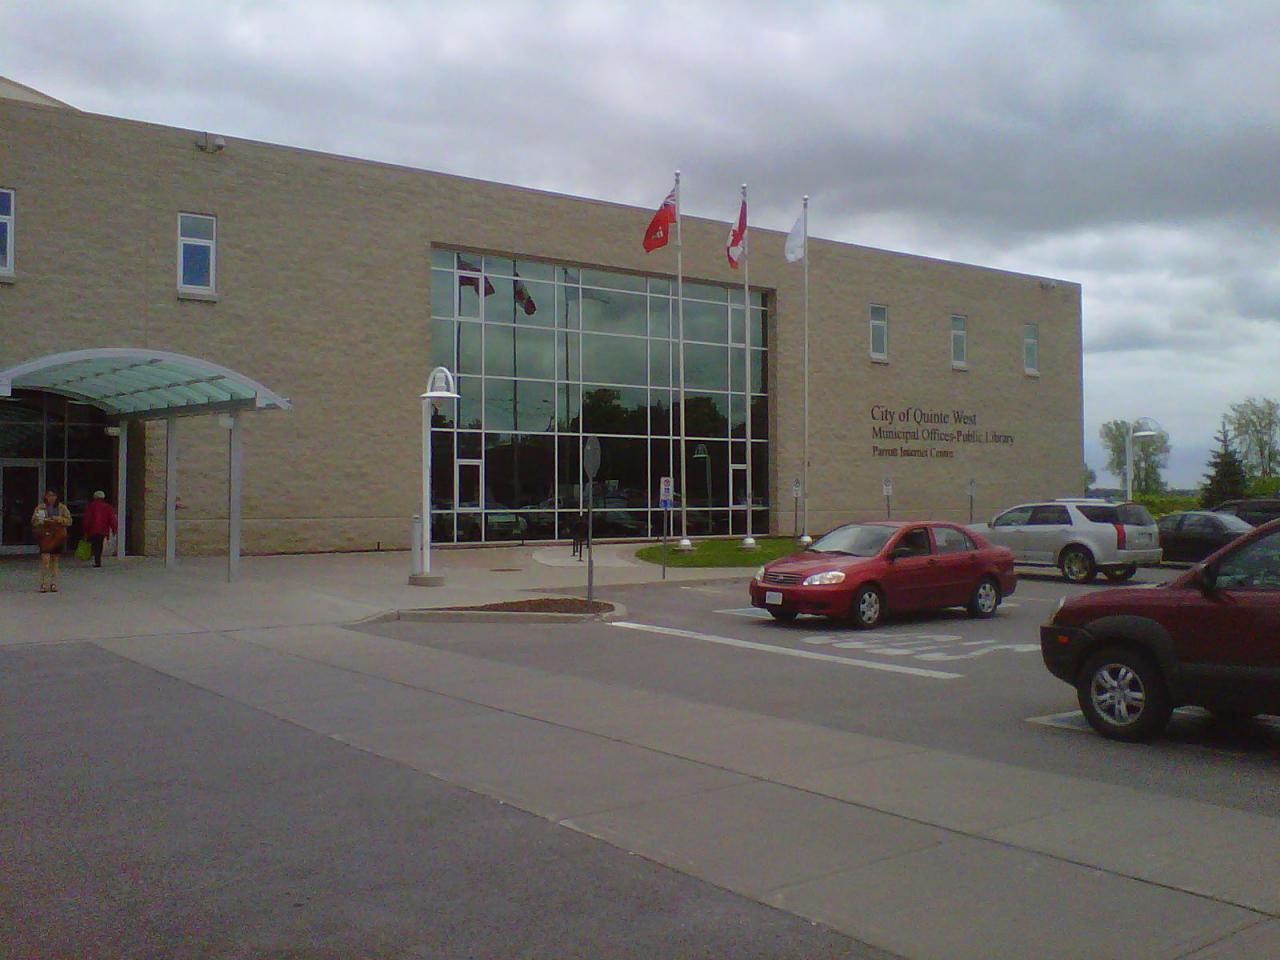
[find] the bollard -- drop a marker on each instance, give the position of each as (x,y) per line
(415,548)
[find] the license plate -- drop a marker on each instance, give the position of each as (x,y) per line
(773,596)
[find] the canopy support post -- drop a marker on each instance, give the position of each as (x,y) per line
(122,492)
(171,491)
(234,448)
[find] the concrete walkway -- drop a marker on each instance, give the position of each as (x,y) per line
(921,852)
(927,854)
(139,597)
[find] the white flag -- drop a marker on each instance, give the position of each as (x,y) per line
(796,241)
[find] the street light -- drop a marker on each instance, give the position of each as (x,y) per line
(440,386)
(1139,429)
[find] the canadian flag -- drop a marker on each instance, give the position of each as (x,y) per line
(524,299)
(659,230)
(736,247)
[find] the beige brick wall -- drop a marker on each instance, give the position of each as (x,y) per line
(324,293)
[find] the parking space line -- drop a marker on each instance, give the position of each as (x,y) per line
(754,613)
(787,652)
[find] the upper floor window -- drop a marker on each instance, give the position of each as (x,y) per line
(197,252)
(879,332)
(1031,348)
(959,342)
(6,232)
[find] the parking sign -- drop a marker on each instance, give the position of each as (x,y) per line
(666,493)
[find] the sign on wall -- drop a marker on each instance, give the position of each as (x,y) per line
(930,434)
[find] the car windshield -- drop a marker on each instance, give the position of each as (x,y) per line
(856,539)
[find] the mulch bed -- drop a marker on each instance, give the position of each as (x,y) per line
(542,605)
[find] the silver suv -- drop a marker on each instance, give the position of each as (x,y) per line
(1080,537)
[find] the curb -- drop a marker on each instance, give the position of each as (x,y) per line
(440,615)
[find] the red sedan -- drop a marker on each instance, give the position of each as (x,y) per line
(864,570)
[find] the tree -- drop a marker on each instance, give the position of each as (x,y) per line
(1090,478)
(1150,455)
(1255,424)
(1226,479)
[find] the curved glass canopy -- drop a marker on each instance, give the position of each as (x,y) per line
(143,384)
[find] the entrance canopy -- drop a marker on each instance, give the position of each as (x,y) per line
(142,384)
(154,385)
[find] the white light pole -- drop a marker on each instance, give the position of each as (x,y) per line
(1138,430)
(440,386)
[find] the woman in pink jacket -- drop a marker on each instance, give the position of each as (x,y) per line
(99,523)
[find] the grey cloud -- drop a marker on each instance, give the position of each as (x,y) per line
(1129,147)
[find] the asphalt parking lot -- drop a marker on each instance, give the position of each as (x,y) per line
(939,680)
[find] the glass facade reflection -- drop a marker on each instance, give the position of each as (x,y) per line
(548,354)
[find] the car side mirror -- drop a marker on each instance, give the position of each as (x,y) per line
(1206,578)
(897,552)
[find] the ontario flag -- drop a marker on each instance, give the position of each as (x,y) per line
(736,246)
(659,230)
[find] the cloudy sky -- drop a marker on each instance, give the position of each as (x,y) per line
(1131,147)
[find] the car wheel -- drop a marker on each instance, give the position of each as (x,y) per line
(984,599)
(1120,574)
(867,609)
(783,616)
(1123,695)
(1077,565)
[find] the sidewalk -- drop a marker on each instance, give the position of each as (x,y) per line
(139,597)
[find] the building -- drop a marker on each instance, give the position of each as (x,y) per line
(339,283)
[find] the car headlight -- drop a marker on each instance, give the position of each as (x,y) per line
(760,574)
(820,579)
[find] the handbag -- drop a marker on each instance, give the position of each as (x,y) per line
(83,550)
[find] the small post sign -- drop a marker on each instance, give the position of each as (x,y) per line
(666,500)
(796,490)
(886,487)
(973,489)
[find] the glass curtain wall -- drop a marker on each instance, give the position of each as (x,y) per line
(546,355)
(47,442)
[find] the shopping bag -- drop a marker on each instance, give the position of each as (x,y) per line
(83,550)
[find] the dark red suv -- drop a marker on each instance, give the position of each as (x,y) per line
(1210,638)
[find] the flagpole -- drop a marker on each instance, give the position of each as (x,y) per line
(685,543)
(748,542)
(805,538)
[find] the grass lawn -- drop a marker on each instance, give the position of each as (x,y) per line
(721,553)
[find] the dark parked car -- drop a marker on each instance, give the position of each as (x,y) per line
(864,570)
(1210,638)
(1195,534)
(1256,512)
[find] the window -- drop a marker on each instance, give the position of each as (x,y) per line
(915,542)
(6,233)
(959,343)
(1100,514)
(1255,566)
(197,253)
(951,540)
(1031,348)
(1013,518)
(1050,516)
(879,332)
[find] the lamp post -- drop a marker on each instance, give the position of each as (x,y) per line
(1138,430)
(440,386)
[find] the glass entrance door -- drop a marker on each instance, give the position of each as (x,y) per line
(21,484)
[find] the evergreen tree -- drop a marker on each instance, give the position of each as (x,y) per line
(1226,479)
